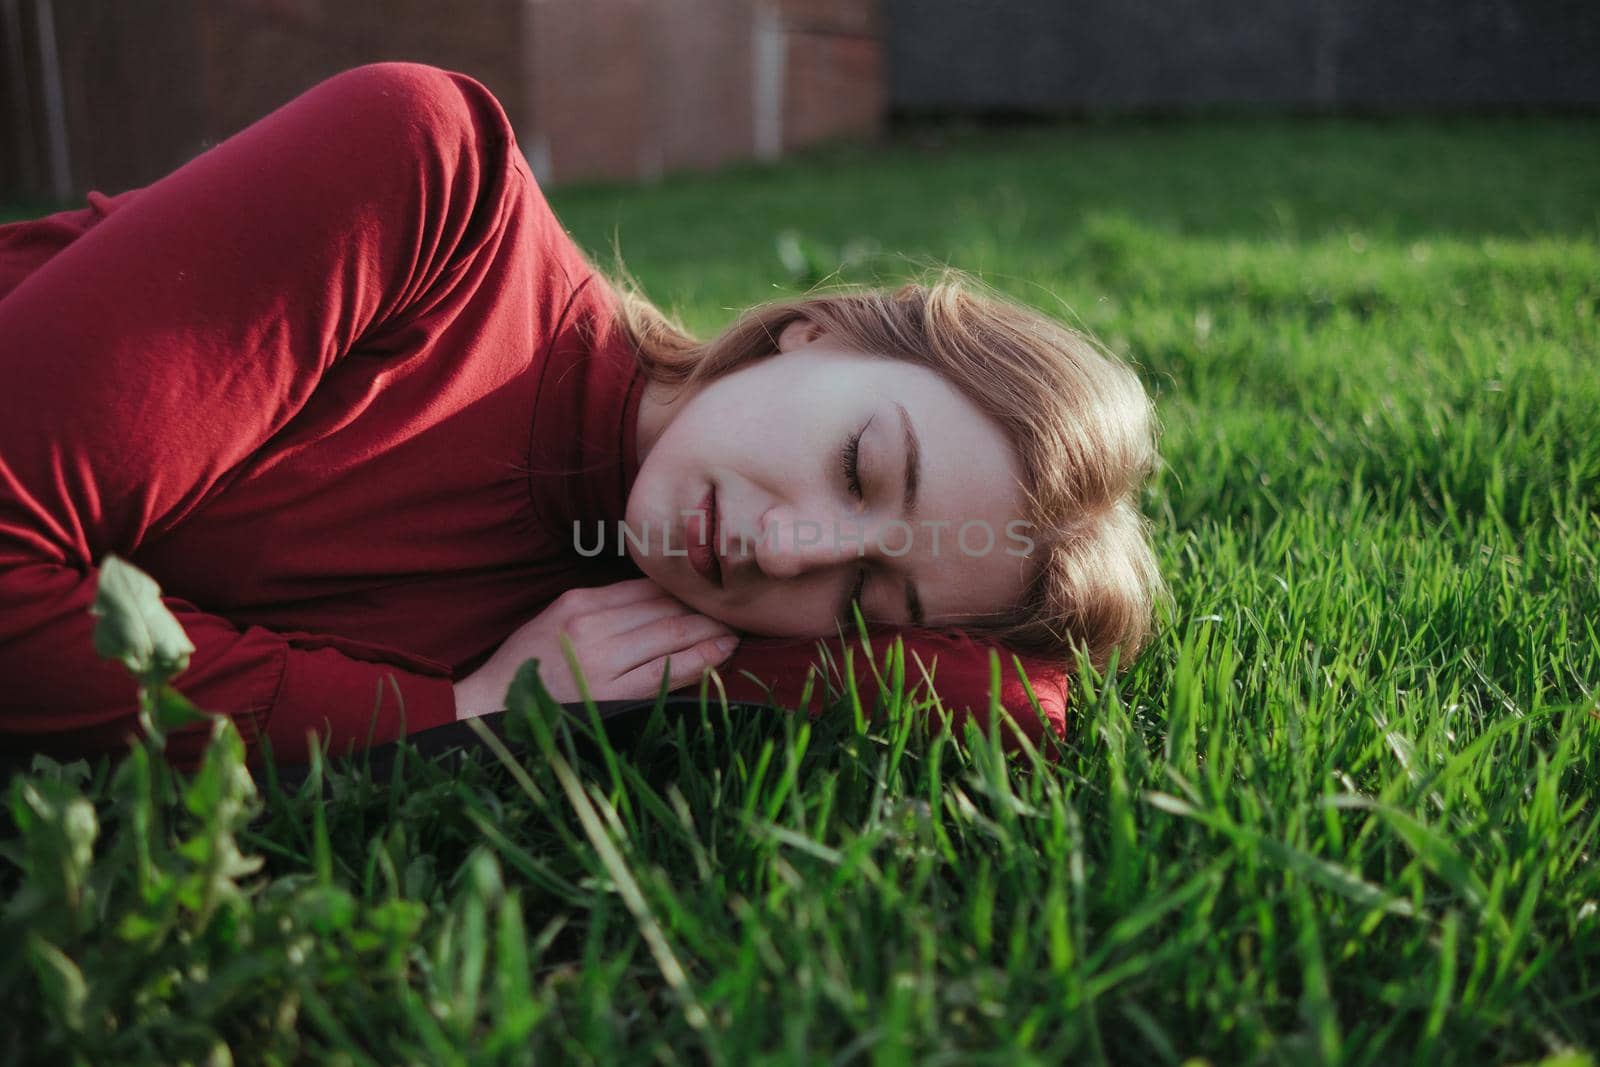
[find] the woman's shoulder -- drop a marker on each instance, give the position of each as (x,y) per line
(420,106)
(451,118)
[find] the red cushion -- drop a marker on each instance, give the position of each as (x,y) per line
(957,662)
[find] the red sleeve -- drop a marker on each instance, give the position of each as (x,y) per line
(952,664)
(146,359)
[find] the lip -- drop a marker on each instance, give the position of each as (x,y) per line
(699,535)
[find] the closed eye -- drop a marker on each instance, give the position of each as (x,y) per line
(850,464)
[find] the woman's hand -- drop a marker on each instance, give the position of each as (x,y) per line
(622,634)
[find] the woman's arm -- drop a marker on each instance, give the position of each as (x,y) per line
(145,361)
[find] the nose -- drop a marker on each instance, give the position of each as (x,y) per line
(793,543)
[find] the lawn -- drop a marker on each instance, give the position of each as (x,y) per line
(1345,810)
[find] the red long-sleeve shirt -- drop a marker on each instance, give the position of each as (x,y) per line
(341,384)
(331,384)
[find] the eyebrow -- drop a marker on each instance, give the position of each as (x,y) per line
(913,478)
(913,462)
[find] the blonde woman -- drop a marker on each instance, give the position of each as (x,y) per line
(346,388)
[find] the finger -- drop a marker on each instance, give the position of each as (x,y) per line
(675,633)
(602,597)
(683,668)
(620,621)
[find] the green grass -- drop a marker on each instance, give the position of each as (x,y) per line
(1346,809)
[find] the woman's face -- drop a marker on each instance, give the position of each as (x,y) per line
(769,446)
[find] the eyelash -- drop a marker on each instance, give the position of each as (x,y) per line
(860,587)
(850,462)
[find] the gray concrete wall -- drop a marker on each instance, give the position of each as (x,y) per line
(1114,55)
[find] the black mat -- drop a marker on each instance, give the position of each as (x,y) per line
(621,719)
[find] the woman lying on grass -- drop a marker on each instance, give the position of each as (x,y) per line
(344,386)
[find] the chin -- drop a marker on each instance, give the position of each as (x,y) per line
(696,599)
(652,567)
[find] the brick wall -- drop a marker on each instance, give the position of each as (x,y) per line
(258,54)
(612,89)
(835,81)
(634,89)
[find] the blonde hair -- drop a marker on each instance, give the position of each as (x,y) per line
(1079,419)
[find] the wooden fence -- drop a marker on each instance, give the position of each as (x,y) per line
(108,95)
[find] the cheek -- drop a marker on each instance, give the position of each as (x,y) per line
(702,438)
(733,438)
(642,495)
(787,610)
(770,418)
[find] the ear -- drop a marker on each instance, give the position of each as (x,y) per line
(798,334)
